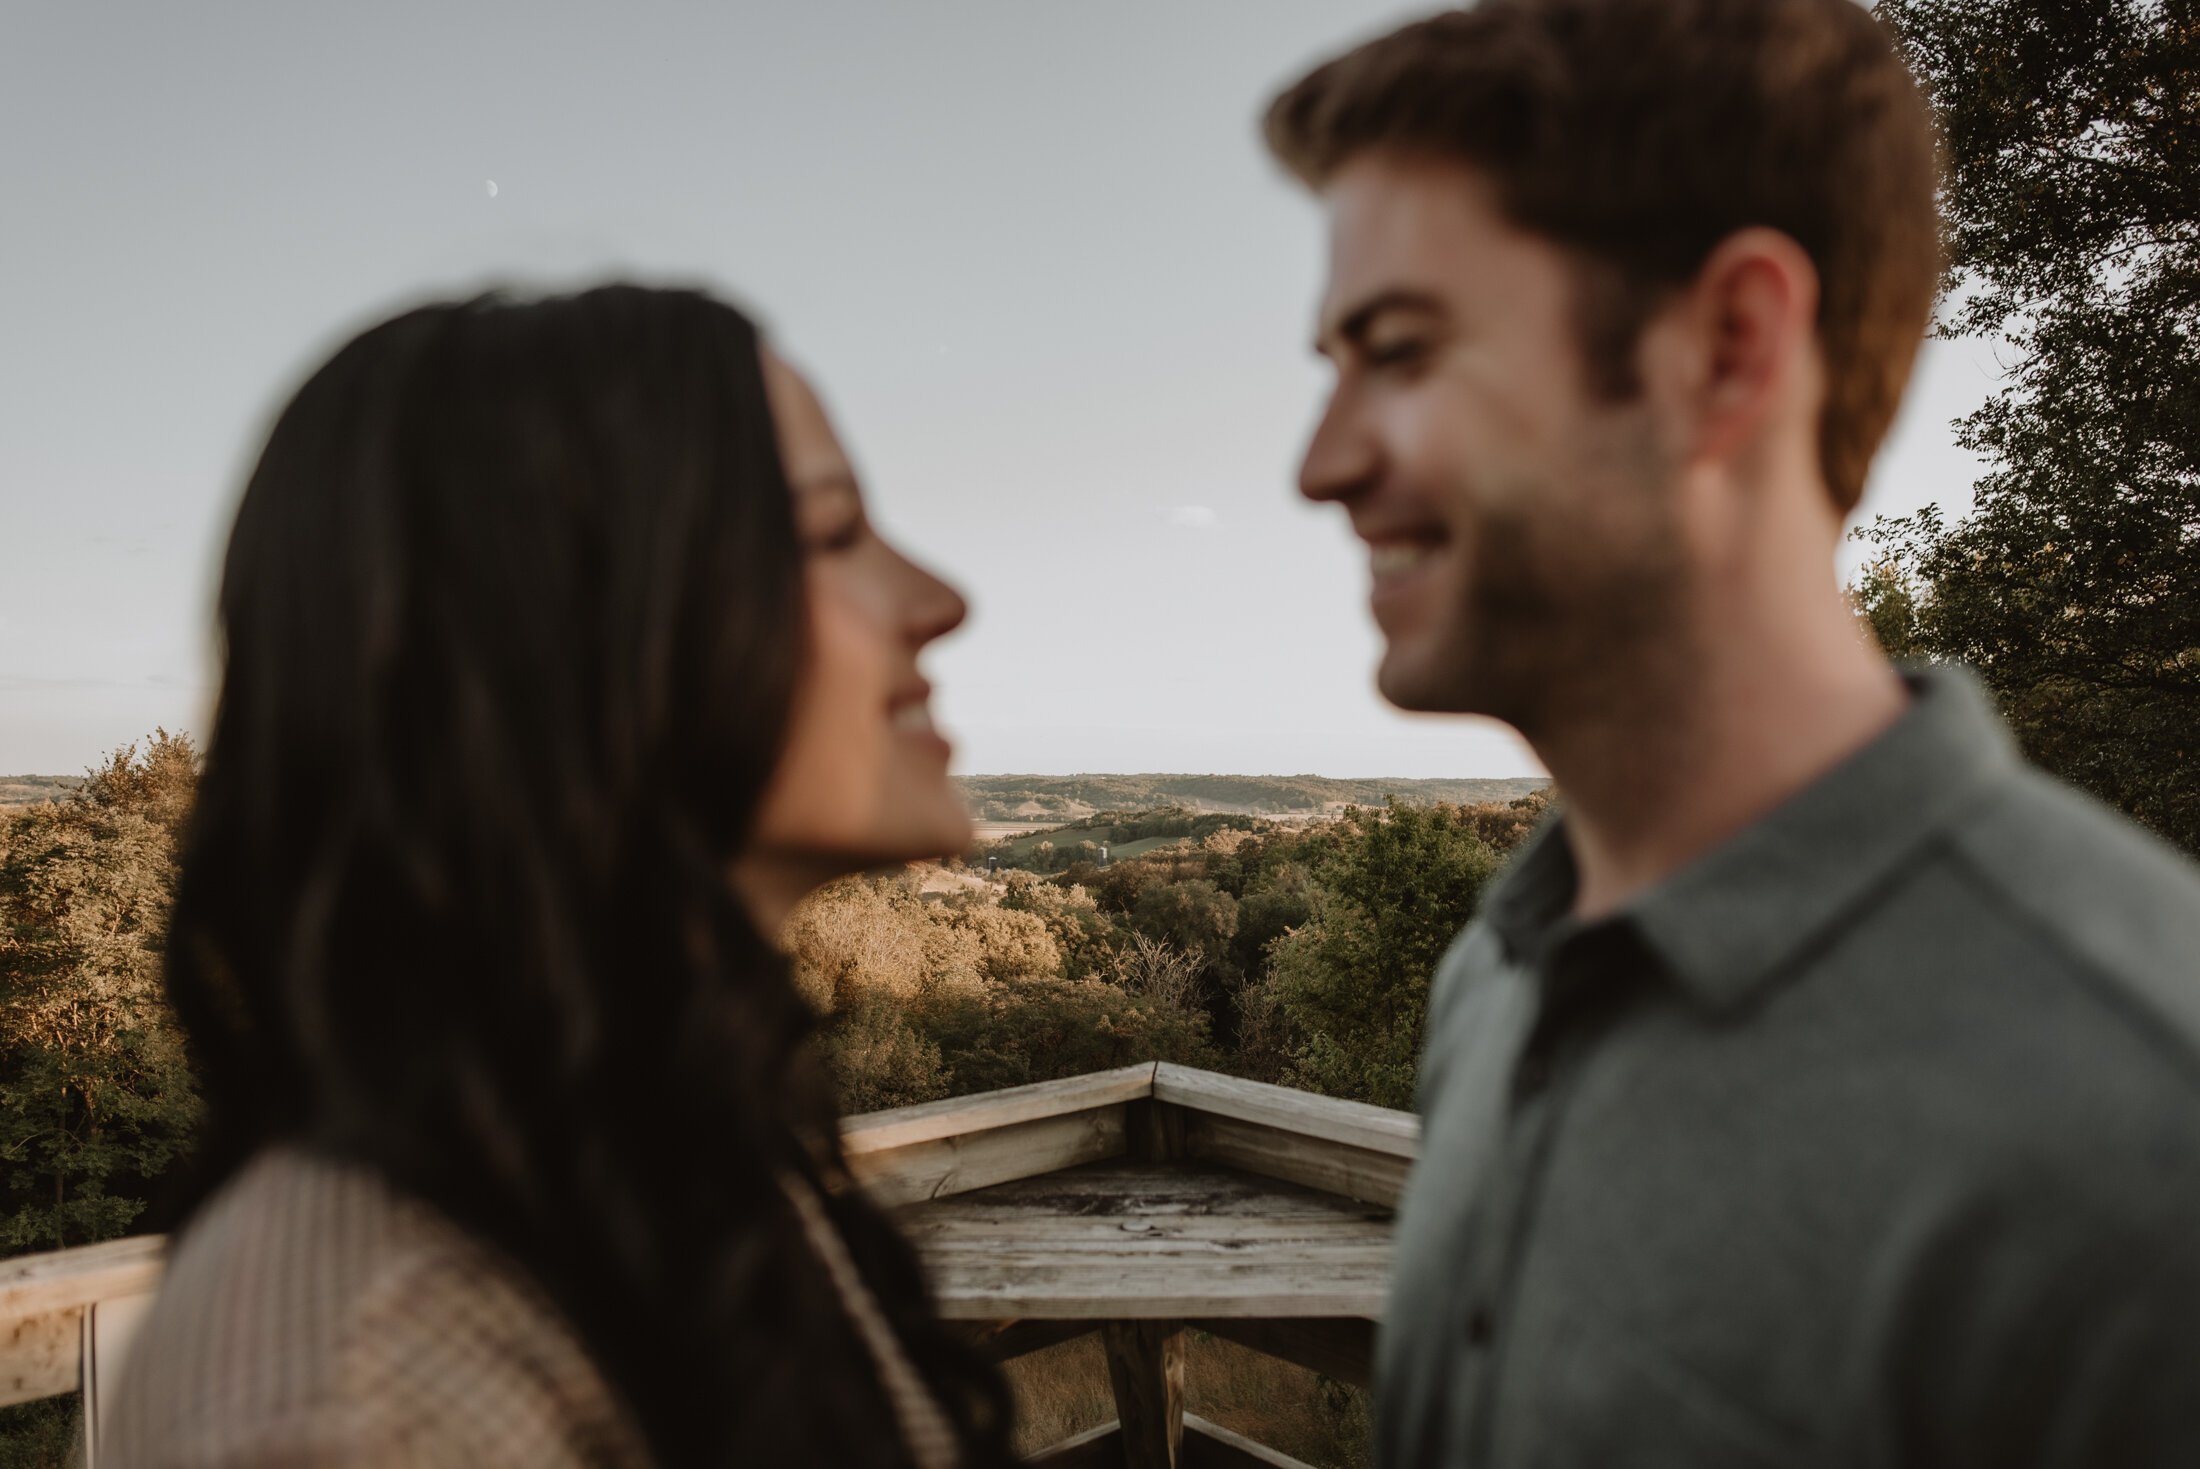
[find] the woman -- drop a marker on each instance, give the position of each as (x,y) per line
(561,661)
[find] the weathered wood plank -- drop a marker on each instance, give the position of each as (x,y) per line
(955,1164)
(33,1285)
(969,1288)
(873,1132)
(41,1356)
(1149,1252)
(1156,1131)
(1004,1341)
(110,1330)
(1095,1448)
(1355,1124)
(1132,1232)
(983,1215)
(1340,1168)
(1151,1191)
(1338,1347)
(1146,1369)
(1135,1241)
(1211,1446)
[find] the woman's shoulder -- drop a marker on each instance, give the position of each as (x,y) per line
(313,1315)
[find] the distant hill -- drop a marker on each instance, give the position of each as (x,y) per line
(30,790)
(1067,797)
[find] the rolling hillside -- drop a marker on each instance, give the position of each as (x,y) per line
(29,790)
(1067,797)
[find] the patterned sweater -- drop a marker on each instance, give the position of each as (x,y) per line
(314,1318)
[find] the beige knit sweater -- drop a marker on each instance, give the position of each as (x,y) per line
(316,1319)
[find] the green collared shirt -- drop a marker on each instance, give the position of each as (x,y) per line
(1871,1138)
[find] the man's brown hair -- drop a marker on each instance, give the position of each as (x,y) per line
(1637,134)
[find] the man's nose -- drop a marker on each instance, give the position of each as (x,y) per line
(1342,457)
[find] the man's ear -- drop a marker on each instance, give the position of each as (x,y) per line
(1743,339)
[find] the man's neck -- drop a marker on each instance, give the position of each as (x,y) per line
(1672,763)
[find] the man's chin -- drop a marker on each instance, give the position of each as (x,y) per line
(1420,683)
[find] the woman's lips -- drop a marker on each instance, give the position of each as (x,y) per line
(913,722)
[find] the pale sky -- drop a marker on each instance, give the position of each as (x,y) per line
(1054,292)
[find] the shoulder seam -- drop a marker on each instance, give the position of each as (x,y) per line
(2096,978)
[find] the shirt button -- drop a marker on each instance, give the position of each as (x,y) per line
(1479,1327)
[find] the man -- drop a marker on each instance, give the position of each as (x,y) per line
(1824,1088)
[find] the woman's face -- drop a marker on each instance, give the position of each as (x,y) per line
(862,781)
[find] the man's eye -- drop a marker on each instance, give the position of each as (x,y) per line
(1396,354)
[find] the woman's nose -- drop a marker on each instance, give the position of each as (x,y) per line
(935,608)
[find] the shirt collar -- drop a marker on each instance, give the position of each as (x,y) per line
(1736,918)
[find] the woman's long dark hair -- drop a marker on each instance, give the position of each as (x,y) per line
(512,616)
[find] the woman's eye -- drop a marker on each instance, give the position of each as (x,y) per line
(839,536)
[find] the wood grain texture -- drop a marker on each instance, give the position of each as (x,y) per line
(41,1356)
(1355,1124)
(1211,1446)
(872,1132)
(1095,1448)
(1156,1131)
(1141,1241)
(1146,1369)
(1340,1347)
(33,1285)
(1376,1177)
(940,1167)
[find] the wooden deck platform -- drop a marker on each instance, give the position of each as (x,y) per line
(1134,1203)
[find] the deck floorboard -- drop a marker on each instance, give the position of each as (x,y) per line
(1121,1240)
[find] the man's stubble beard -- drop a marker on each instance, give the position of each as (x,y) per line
(1572,619)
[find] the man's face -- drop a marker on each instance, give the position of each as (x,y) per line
(1520,531)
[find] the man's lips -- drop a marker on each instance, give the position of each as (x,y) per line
(1394,558)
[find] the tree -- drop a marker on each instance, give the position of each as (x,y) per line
(2072,135)
(1352,981)
(1196,918)
(96,1100)
(1156,970)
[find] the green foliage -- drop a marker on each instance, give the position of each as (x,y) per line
(40,1435)
(1193,916)
(1084,938)
(96,1101)
(1298,954)
(1131,834)
(2072,133)
(1352,981)
(928,997)
(879,1058)
(1040,1029)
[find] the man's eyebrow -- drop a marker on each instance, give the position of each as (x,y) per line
(1353,327)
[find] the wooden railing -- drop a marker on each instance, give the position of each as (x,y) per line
(1137,1203)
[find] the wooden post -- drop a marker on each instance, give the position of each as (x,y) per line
(1146,1365)
(1154,1131)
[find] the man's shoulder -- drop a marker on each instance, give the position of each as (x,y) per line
(2105,901)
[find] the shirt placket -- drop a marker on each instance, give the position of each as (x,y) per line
(1549,1056)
